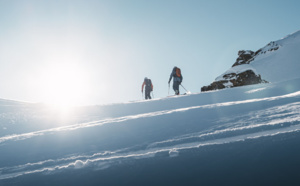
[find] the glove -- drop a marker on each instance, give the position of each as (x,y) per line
(168,82)
(142,91)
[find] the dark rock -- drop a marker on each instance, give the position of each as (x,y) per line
(247,78)
(244,57)
(235,80)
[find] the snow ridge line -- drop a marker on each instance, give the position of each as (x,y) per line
(294,119)
(24,136)
(286,122)
(278,116)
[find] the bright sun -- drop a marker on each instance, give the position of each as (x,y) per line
(63,85)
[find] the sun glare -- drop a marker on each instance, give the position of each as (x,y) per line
(63,85)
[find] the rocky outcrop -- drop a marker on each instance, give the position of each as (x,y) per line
(244,77)
(235,80)
(244,57)
(247,56)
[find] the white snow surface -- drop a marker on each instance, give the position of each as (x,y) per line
(37,139)
(105,135)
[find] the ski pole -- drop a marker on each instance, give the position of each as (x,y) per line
(152,95)
(183,87)
(169,90)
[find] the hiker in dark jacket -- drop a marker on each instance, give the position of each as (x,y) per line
(148,88)
(177,79)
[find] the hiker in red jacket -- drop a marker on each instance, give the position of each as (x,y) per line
(177,79)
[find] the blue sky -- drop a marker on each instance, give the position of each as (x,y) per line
(98,52)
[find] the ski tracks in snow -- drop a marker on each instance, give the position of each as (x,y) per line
(267,121)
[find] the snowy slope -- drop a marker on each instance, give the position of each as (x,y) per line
(277,61)
(135,133)
(241,136)
(282,64)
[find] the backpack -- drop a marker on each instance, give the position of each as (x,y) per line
(177,72)
(148,83)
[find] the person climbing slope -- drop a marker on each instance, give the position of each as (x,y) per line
(177,79)
(148,87)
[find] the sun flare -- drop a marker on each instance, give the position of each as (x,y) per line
(63,85)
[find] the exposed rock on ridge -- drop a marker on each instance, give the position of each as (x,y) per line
(247,76)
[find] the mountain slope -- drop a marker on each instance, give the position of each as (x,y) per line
(277,61)
(178,134)
(248,135)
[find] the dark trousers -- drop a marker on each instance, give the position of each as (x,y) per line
(176,87)
(147,93)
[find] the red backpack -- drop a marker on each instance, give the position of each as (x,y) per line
(178,72)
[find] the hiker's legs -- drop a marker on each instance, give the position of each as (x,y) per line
(147,94)
(176,87)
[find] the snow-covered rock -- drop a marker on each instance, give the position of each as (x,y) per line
(244,57)
(277,61)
